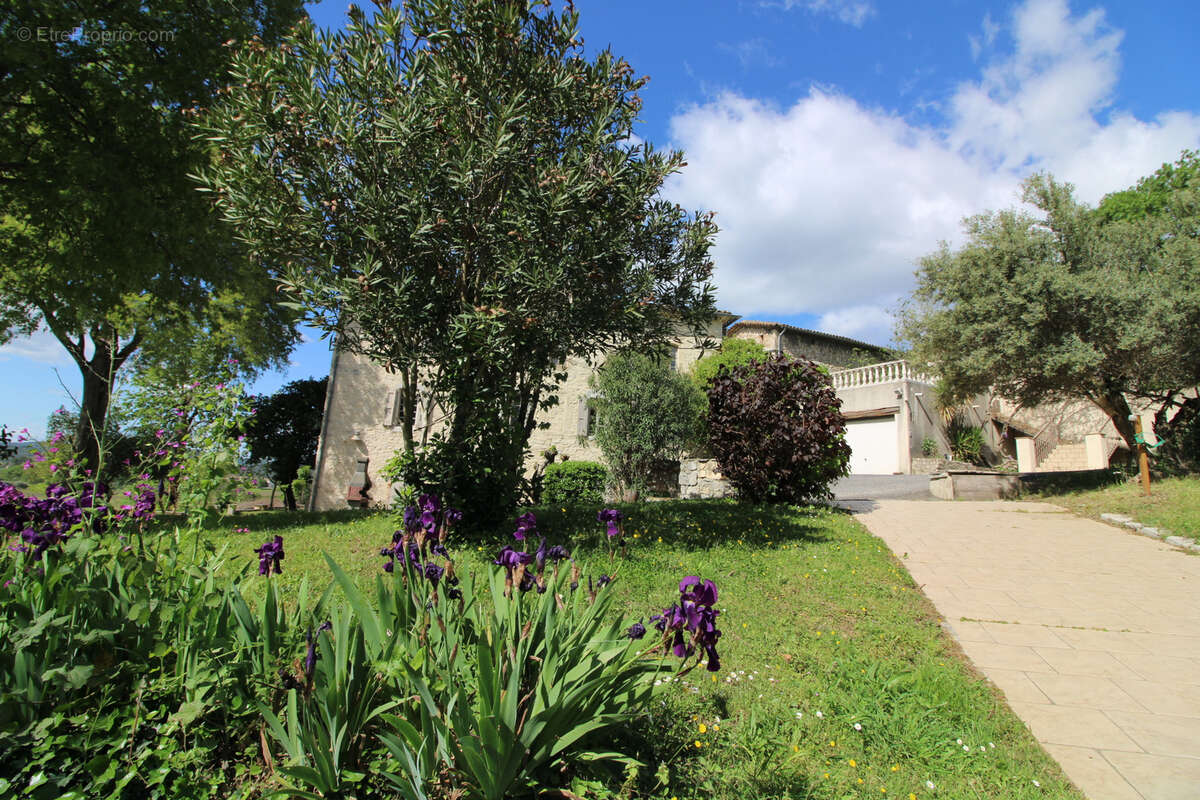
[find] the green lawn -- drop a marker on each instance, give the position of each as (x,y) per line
(1174,504)
(837,681)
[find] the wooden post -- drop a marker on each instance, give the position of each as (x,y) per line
(1143,455)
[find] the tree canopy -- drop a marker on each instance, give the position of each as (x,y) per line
(285,429)
(104,239)
(1064,304)
(734,352)
(452,189)
(646,413)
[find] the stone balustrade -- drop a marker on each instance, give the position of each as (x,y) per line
(875,374)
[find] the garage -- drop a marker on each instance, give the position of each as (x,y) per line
(874,445)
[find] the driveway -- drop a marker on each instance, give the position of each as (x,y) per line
(877,487)
(1092,633)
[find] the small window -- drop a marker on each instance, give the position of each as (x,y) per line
(591,422)
(675,359)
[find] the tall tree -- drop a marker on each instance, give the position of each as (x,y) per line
(285,429)
(1063,305)
(104,239)
(646,413)
(452,189)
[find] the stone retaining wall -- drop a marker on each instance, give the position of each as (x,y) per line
(699,478)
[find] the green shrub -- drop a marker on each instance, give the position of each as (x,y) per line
(646,414)
(574,483)
(929,446)
(966,441)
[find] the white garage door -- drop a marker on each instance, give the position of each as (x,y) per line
(873,446)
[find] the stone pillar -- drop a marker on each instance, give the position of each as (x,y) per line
(1094,443)
(1026,454)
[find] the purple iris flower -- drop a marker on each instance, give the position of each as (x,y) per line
(611,517)
(511,559)
(453,516)
(603,581)
(412,519)
(701,592)
(557,553)
(433,573)
(269,556)
(310,657)
(526,526)
(430,502)
(695,616)
(636,631)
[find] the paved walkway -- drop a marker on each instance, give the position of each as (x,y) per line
(1093,633)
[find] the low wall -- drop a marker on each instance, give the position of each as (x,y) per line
(980,485)
(699,478)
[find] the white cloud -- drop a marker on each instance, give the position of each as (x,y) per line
(751,53)
(851,12)
(41,347)
(826,206)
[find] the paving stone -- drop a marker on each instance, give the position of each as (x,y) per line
(1116,668)
(1119,518)
(1137,526)
(1085,690)
(1022,635)
(1160,734)
(1091,772)
(1148,531)
(1017,685)
(1083,662)
(1081,727)
(1158,777)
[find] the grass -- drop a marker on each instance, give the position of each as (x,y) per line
(837,680)
(1174,504)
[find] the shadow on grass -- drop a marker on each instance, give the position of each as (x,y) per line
(275,520)
(692,524)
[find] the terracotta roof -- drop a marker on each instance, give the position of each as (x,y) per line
(833,337)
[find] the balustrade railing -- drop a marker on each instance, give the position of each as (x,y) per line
(875,374)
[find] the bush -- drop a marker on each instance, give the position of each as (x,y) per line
(929,446)
(966,441)
(574,483)
(733,353)
(777,431)
(646,414)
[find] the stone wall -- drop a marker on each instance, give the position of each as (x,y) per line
(360,399)
(699,478)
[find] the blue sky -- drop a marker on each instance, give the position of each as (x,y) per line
(840,140)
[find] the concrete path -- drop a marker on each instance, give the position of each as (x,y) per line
(1093,633)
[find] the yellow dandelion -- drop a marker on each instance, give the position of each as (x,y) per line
(832,743)
(795,748)
(895,767)
(703,728)
(716,727)
(860,780)
(853,763)
(699,743)
(912,796)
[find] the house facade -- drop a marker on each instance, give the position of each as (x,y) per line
(889,407)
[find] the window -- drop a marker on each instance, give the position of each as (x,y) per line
(586,419)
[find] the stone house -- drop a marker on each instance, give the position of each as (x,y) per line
(888,413)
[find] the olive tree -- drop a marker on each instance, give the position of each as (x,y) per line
(452,189)
(646,413)
(1064,304)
